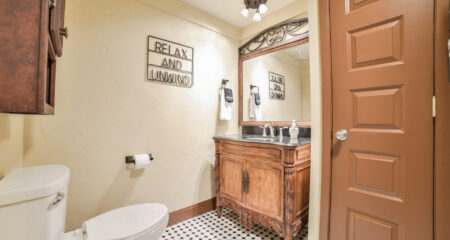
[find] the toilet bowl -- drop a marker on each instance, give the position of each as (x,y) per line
(33,206)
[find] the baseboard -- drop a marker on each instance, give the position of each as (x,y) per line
(192,211)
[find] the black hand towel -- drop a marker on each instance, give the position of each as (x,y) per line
(257,99)
(228,95)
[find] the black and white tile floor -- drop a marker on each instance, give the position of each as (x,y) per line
(209,227)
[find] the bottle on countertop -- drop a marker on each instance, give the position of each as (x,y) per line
(293,130)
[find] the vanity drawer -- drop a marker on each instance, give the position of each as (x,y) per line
(253,150)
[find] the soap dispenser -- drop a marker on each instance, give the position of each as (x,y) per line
(293,130)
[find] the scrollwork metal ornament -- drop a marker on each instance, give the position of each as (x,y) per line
(276,35)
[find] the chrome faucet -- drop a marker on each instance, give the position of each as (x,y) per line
(272,132)
(264,134)
(263,131)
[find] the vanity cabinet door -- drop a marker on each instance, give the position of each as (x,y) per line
(231,176)
(265,187)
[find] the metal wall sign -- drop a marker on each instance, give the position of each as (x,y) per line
(170,62)
(279,34)
(276,86)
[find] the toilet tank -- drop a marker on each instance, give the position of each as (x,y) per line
(33,203)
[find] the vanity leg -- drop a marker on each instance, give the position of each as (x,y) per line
(289,204)
(219,211)
(288,237)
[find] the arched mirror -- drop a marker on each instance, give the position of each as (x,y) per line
(274,83)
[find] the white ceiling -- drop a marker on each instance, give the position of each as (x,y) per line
(229,10)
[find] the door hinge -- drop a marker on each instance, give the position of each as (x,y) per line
(434,106)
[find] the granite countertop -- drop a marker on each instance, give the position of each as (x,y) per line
(285,141)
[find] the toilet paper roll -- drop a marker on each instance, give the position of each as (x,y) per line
(141,161)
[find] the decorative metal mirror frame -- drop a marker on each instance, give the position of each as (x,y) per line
(275,40)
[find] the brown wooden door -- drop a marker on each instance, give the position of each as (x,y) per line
(265,187)
(382,71)
(232,170)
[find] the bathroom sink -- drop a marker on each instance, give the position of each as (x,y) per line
(260,138)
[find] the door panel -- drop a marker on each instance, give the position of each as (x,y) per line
(265,192)
(382,71)
(232,169)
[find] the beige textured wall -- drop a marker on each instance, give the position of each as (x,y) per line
(306,91)
(256,72)
(107,110)
(11,142)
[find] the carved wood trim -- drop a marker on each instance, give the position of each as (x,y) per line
(217,176)
(249,218)
(289,204)
(297,155)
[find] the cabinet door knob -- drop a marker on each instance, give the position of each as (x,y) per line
(64,32)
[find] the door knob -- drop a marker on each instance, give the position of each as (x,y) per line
(342,135)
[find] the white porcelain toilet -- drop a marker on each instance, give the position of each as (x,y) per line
(33,207)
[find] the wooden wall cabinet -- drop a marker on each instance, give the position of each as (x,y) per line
(264,184)
(30,41)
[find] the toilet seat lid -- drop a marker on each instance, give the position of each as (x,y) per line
(125,222)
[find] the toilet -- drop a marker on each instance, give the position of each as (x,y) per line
(33,204)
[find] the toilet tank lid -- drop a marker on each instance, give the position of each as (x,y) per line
(29,183)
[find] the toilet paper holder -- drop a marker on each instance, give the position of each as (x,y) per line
(130,159)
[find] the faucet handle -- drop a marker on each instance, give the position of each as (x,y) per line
(281,131)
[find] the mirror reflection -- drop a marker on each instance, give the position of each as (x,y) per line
(276,86)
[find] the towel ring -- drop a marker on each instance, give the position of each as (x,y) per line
(224,83)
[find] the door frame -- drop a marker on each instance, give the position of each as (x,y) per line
(441,126)
(327,117)
(441,131)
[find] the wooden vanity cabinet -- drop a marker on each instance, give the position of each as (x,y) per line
(264,184)
(30,41)
(56,25)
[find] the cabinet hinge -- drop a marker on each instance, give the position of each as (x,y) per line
(434,106)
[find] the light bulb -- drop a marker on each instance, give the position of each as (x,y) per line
(262,8)
(244,12)
(257,17)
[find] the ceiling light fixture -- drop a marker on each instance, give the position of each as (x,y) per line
(258,5)
(244,12)
(262,8)
(256,17)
